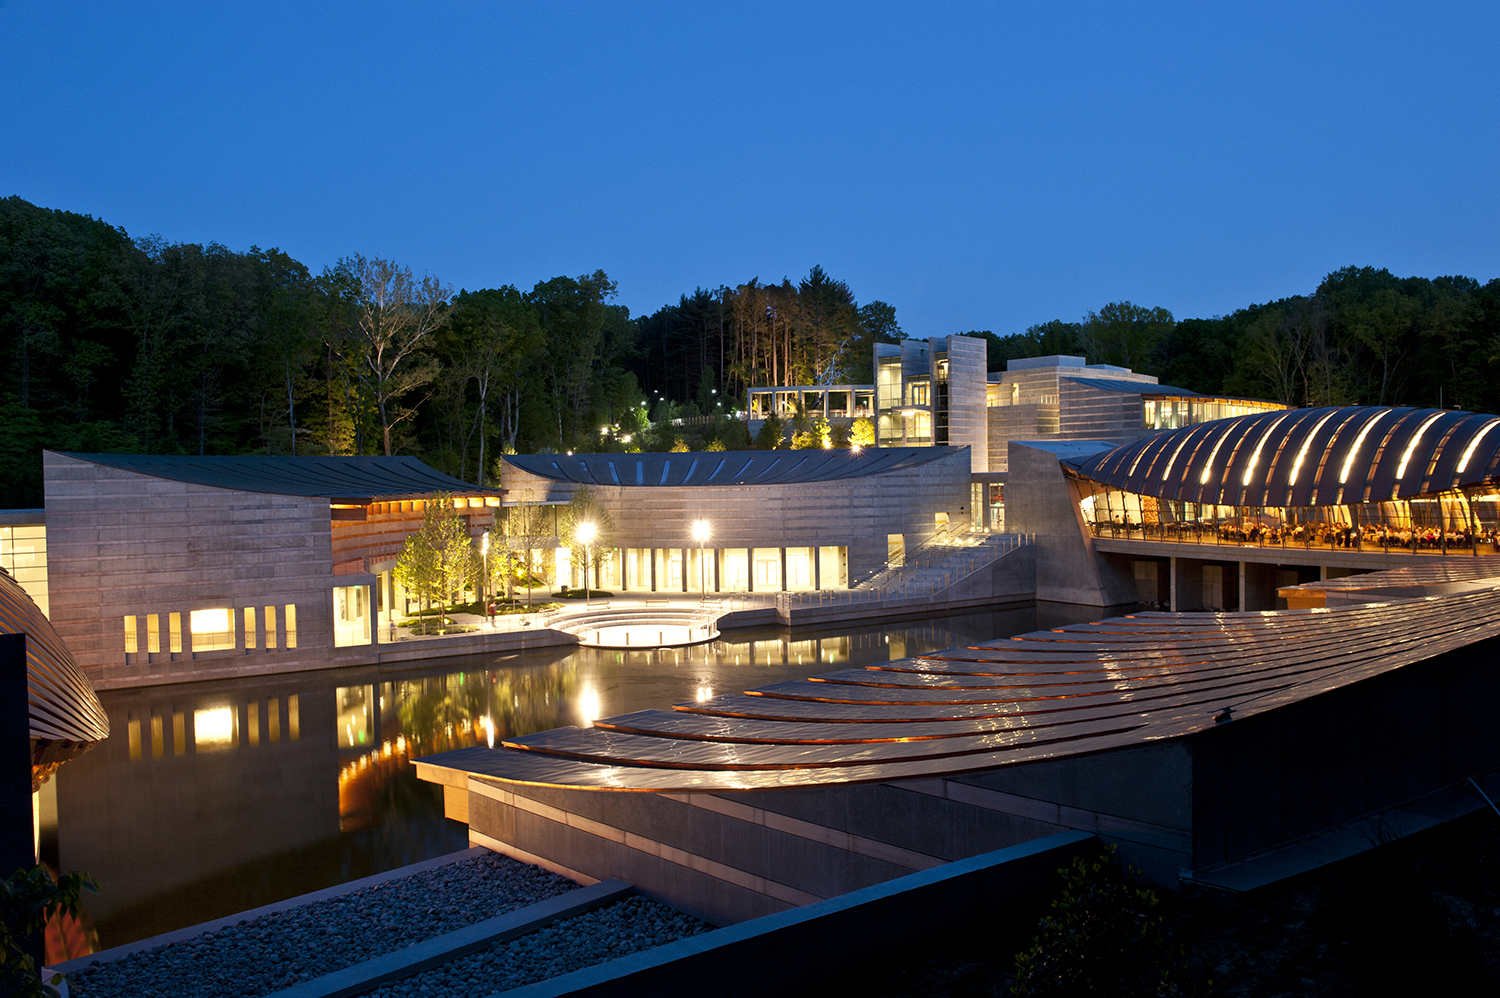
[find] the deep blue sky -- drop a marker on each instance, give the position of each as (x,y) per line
(978,166)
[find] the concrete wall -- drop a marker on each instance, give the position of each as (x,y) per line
(1268,779)
(1039,500)
(121,543)
(968,424)
(856,513)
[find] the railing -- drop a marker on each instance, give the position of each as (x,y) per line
(1420,542)
(914,588)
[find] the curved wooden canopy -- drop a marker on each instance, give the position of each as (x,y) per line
(66,717)
(1306,457)
(1069,691)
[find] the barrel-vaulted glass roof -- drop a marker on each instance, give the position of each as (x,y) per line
(1306,457)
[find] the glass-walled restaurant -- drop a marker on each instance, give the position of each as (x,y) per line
(1171,413)
(1455,521)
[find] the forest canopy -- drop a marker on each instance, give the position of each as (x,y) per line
(133,344)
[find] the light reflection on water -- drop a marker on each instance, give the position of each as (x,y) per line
(215,797)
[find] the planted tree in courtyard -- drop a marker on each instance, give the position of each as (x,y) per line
(583,508)
(437,561)
(862,432)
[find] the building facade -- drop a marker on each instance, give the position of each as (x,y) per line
(776,521)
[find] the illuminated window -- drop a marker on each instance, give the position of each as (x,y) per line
(174,633)
(351,616)
(213,728)
(157,747)
(767,568)
(734,570)
(291,625)
(153,634)
(179,731)
(252,722)
(833,568)
(270,628)
(273,719)
(799,568)
(249,628)
(212,629)
(293,721)
(130,645)
(23,553)
(133,732)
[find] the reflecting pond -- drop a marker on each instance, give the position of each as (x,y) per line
(211,798)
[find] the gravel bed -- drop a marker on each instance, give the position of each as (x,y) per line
(597,936)
(277,951)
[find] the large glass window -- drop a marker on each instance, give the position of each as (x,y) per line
(833,568)
(734,570)
(669,570)
(351,616)
(23,553)
(767,569)
(799,568)
(212,630)
(700,570)
(637,568)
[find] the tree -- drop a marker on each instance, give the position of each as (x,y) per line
(584,507)
(862,433)
(496,333)
(437,561)
(768,437)
(1126,335)
(28,898)
(394,316)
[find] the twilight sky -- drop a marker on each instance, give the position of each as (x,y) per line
(979,166)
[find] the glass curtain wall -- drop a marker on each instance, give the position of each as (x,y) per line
(1460,520)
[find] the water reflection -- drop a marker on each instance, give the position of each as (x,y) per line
(227,795)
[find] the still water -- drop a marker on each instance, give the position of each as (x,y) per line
(211,798)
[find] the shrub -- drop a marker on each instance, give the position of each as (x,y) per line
(28,898)
(1102,936)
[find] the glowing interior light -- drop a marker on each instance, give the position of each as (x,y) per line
(213,728)
(1208,466)
(1255,457)
(489,730)
(1302,453)
(214,621)
(1416,439)
(1463,464)
(1354,451)
(1172,460)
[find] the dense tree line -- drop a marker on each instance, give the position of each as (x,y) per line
(1364,336)
(114,343)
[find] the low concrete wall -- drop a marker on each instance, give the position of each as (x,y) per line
(811,950)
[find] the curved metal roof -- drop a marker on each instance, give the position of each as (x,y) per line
(66,717)
(356,479)
(1049,694)
(1307,457)
(1127,387)
(731,467)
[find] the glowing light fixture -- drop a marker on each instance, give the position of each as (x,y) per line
(1302,451)
(1463,464)
(1353,451)
(1416,439)
(1255,457)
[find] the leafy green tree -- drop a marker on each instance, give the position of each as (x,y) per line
(496,335)
(28,898)
(394,317)
(1126,335)
(584,507)
(769,436)
(862,432)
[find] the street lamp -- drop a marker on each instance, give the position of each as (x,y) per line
(700,534)
(586,534)
(484,586)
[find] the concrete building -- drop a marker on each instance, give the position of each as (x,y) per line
(777,520)
(183,566)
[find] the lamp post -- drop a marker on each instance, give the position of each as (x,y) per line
(586,534)
(700,534)
(484,585)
